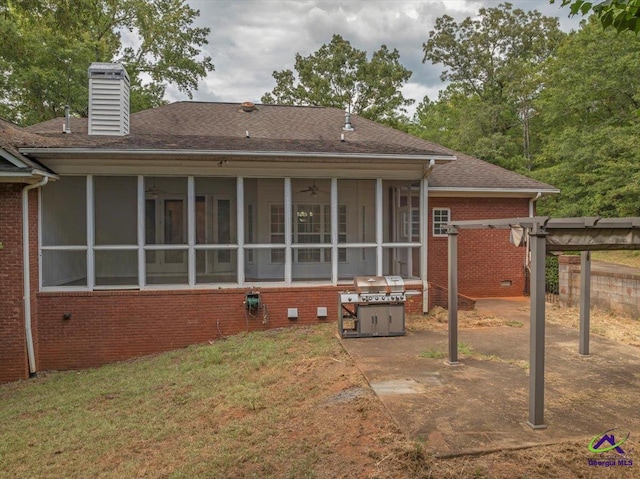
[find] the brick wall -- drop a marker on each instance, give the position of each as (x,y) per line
(486,259)
(110,326)
(13,354)
(610,290)
(439,296)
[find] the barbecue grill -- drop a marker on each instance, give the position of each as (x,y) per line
(374,308)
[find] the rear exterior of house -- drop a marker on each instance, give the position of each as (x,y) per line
(149,231)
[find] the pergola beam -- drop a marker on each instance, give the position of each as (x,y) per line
(545,234)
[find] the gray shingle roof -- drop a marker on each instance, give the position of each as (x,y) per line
(223,126)
(11,138)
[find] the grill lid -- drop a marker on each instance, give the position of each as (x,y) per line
(378,284)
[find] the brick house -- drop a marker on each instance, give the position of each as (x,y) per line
(145,232)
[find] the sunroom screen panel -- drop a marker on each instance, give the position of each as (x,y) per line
(64,268)
(359,197)
(64,212)
(116,268)
(116,201)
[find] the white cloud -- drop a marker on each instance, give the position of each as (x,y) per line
(251,38)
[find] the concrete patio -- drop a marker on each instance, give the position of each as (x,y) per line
(482,404)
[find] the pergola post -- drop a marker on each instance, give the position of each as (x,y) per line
(453,296)
(585,302)
(537,238)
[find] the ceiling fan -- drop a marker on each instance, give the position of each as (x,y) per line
(153,191)
(313,189)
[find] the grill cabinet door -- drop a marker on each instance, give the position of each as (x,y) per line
(396,319)
(369,319)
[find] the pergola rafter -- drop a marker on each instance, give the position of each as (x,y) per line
(545,234)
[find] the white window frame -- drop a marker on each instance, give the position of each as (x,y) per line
(437,229)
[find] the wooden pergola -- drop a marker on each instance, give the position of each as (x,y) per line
(544,235)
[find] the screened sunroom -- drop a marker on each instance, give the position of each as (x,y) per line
(141,232)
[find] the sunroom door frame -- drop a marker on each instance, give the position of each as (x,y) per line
(163,250)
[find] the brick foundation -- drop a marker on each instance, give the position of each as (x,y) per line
(113,326)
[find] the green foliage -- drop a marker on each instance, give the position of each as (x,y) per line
(494,65)
(46,47)
(552,274)
(623,15)
(589,117)
(563,108)
(339,75)
(597,171)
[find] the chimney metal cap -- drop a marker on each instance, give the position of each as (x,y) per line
(248,106)
(107,70)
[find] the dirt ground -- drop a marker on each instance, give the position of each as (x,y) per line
(390,453)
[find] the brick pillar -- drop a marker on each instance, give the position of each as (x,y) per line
(569,279)
(13,353)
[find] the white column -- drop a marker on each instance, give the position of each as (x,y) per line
(240,228)
(379,227)
(410,230)
(424,242)
(288,233)
(334,231)
(191,229)
(91,273)
(142,260)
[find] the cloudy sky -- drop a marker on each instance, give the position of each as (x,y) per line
(250,39)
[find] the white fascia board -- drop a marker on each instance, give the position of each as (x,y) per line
(493,192)
(246,154)
(12,159)
(33,176)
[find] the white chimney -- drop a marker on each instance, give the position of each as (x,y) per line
(108,99)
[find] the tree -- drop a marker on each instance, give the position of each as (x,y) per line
(496,58)
(622,15)
(46,47)
(590,124)
(340,75)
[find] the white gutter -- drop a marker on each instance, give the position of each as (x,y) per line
(48,152)
(26,275)
(454,189)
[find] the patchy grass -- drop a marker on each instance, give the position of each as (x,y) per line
(603,323)
(254,405)
(433,354)
(276,404)
(626,258)
(437,320)
(467,351)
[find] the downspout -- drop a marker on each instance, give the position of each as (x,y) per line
(424,258)
(532,202)
(26,273)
